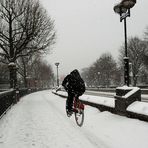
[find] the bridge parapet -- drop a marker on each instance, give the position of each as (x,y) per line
(125,96)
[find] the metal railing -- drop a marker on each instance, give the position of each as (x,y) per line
(6,100)
(12,96)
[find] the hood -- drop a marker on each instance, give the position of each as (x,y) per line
(75,73)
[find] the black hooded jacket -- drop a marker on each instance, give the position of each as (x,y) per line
(73,83)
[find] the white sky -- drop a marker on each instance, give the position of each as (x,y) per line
(88,28)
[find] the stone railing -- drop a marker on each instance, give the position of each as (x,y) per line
(127,102)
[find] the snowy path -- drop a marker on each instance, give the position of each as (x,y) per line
(39,121)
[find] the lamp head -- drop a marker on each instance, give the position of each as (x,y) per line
(128,4)
(120,9)
(57,64)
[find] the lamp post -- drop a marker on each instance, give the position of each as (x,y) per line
(130,72)
(57,64)
(98,78)
(13,74)
(123,9)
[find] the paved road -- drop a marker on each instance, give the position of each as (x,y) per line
(111,94)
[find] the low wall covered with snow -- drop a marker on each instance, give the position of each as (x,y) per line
(102,103)
(137,109)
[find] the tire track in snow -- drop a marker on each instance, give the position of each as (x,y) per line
(86,133)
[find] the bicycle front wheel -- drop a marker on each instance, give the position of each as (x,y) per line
(79,117)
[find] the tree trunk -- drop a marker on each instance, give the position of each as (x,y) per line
(134,80)
(12,76)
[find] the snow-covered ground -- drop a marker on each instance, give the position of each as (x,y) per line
(39,121)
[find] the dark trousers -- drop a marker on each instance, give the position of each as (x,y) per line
(70,100)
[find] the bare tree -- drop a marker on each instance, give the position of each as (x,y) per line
(146,42)
(146,34)
(24,26)
(42,72)
(136,51)
(87,75)
(34,72)
(23,64)
(104,72)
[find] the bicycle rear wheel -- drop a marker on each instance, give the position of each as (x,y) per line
(79,117)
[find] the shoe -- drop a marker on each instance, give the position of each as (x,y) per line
(69,113)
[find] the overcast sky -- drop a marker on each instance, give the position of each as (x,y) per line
(88,28)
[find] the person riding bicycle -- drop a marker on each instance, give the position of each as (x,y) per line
(75,87)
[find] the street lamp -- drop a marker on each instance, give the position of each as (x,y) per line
(57,64)
(123,9)
(128,4)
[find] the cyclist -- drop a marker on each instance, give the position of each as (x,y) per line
(75,87)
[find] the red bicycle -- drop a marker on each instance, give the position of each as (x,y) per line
(78,110)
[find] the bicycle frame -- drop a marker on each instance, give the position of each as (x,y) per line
(78,110)
(77,104)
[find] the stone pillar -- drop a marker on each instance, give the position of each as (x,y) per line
(125,96)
